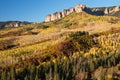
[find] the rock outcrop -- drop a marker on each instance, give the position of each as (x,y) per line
(48,18)
(65,12)
(117,8)
(106,11)
(80,8)
(70,11)
(12,24)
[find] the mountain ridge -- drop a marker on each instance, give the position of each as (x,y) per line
(6,24)
(99,11)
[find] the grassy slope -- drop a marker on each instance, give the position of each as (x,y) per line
(38,33)
(44,42)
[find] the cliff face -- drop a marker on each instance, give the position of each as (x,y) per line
(12,24)
(59,15)
(80,8)
(65,12)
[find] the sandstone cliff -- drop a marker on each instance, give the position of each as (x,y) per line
(80,8)
(12,24)
(59,15)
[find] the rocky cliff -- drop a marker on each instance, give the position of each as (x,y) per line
(80,8)
(12,24)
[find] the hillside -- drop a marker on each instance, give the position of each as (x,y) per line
(79,46)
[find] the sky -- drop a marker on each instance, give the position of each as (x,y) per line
(36,10)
